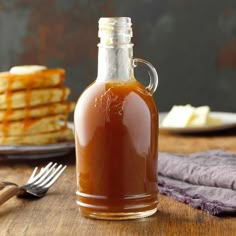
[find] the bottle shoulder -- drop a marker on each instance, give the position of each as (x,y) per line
(114,93)
(118,87)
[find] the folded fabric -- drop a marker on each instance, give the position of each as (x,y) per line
(204,180)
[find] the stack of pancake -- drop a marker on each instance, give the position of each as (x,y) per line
(33,106)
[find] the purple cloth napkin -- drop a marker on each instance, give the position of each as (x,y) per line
(204,180)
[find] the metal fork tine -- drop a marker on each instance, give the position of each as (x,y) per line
(55,178)
(50,176)
(33,175)
(38,184)
(45,175)
(41,173)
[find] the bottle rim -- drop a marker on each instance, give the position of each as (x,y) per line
(114,27)
(115,21)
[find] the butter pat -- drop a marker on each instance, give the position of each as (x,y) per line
(188,116)
(213,121)
(178,117)
(27,69)
(200,116)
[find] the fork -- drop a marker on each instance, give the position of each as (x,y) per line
(36,186)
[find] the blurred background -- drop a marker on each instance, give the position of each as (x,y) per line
(192,44)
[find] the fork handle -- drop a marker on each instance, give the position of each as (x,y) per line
(6,183)
(2,186)
(9,193)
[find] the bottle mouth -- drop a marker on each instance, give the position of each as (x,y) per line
(115,21)
(115,29)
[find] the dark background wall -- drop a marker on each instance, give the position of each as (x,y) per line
(192,43)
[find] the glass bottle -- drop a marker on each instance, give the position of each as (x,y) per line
(116,132)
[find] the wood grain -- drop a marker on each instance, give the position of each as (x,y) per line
(57,213)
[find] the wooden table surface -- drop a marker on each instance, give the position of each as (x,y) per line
(58,214)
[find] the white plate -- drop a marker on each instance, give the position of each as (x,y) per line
(36,151)
(228,121)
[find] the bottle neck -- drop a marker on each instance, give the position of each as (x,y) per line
(115,62)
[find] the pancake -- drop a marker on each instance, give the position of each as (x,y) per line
(35,97)
(32,126)
(37,111)
(42,79)
(33,106)
(62,135)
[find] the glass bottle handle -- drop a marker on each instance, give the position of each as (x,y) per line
(152,74)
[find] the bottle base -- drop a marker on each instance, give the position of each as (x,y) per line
(117,215)
(129,207)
